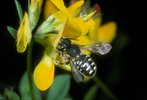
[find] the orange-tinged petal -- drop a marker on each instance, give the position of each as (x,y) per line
(107,32)
(44,73)
(49,8)
(23,35)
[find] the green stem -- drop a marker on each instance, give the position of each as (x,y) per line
(29,71)
(104,88)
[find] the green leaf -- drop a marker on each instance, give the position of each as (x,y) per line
(91,93)
(2,97)
(11,95)
(12,31)
(59,89)
(25,91)
(46,26)
(29,2)
(19,10)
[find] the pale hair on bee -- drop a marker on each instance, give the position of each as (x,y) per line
(81,64)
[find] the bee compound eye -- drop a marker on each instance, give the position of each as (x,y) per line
(61,46)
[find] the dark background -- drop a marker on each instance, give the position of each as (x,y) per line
(125,14)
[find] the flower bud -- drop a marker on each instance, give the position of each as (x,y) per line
(23,35)
(35,8)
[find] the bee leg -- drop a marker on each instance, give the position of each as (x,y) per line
(63,58)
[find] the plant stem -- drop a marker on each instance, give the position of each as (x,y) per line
(104,88)
(29,71)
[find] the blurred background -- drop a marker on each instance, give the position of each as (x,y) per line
(117,69)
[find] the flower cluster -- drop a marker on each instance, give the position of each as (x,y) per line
(60,21)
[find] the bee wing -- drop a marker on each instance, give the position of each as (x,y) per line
(98,48)
(78,77)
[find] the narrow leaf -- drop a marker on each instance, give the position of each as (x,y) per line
(59,89)
(19,10)
(12,31)
(11,95)
(91,93)
(25,91)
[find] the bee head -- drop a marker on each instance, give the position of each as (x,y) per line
(63,44)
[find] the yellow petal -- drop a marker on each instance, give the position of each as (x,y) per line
(88,25)
(75,8)
(93,30)
(107,32)
(89,16)
(98,22)
(60,5)
(23,35)
(82,40)
(72,29)
(49,8)
(76,27)
(44,73)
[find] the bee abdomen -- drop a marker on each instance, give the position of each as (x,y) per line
(85,65)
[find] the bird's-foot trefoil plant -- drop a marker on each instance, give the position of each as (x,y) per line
(46,22)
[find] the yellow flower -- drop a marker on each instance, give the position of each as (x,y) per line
(105,33)
(74,26)
(61,21)
(23,35)
(65,25)
(51,7)
(44,73)
(84,39)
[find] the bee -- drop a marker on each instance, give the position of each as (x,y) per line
(81,64)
